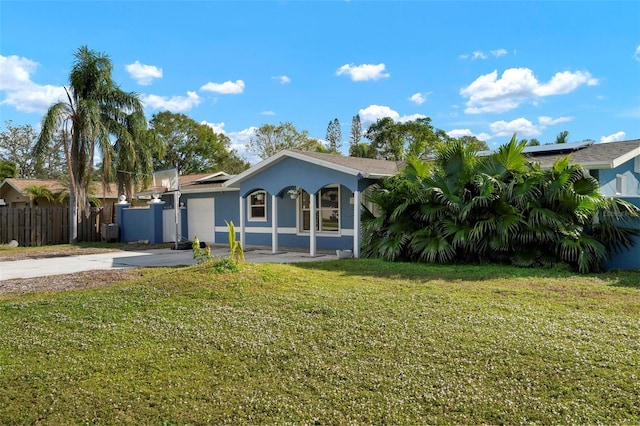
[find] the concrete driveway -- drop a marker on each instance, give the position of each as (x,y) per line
(143,258)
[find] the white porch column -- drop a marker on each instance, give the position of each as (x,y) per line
(242,222)
(356,223)
(274,224)
(312,222)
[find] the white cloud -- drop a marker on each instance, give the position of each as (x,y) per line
(618,136)
(411,117)
(499,52)
(636,55)
(267,113)
(548,121)
(372,113)
(226,88)
(364,72)
(458,133)
(419,98)
(239,141)
(143,74)
(488,93)
(174,104)
(565,82)
(283,79)
(521,126)
(478,55)
(217,127)
(21,92)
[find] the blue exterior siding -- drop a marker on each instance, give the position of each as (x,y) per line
(291,172)
(140,223)
(607,180)
(629,259)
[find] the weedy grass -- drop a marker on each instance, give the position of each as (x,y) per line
(345,342)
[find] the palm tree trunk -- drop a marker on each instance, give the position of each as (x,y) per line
(73,217)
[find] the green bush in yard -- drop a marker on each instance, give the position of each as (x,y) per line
(462,208)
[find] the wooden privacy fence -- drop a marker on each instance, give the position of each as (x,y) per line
(36,226)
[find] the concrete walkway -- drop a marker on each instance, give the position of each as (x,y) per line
(143,258)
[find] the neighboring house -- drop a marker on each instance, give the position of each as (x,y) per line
(14,193)
(293,199)
(616,165)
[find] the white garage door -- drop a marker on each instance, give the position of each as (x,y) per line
(200,219)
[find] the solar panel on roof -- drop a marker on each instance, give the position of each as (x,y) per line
(556,148)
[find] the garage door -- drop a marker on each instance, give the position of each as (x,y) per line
(200,220)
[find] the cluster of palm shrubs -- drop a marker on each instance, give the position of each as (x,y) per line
(499,208)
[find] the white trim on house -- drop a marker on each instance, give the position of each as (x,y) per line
(261,230)
(206,190)
(250,206)
(625,157)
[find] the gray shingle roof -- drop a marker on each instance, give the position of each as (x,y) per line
(599,155)
(365,165)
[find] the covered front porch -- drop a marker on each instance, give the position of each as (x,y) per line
(304,199)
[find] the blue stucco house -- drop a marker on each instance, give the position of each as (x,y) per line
(302,199)
(294,199)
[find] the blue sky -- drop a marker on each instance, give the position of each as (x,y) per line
(488,69)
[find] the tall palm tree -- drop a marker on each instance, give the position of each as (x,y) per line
(134,152)
(94,108)
(562,137)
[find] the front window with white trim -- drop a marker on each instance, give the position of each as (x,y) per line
(257,206)
(327,210)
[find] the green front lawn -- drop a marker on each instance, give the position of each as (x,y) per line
(345,342)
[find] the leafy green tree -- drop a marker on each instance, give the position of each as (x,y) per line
(392,140)
(95,108)
(334,136)
(474,143)
(16,146)
(499,208)
(269,139)
(7,169)
(189,146)
(355,136)
(532,142)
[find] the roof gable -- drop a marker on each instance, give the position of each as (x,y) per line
(365,167)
